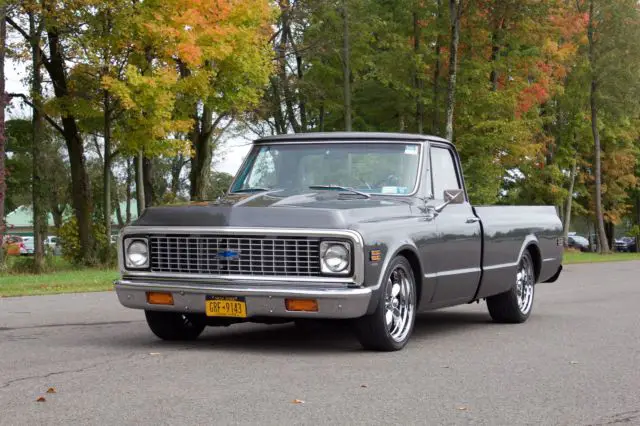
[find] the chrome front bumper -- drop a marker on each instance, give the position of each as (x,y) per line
(262,300)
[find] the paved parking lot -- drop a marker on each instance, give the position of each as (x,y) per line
(575,362)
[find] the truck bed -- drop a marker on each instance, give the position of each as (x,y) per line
(507,230)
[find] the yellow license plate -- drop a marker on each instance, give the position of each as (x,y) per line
(220,306)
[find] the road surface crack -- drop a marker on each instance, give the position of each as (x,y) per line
(57,373)
(73,324)
(621,418)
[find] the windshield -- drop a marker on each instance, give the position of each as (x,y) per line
(372,168)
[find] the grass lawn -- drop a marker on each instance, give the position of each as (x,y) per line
(572,257)
(71,281)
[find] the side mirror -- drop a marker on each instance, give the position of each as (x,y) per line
(453,196)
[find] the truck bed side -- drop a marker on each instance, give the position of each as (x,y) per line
(507,232)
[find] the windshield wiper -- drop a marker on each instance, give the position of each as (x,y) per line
(237,191)
(341,188)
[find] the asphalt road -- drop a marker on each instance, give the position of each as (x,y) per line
(575,362)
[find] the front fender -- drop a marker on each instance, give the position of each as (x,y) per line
(375,271)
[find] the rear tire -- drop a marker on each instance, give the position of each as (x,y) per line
(175,325)
(514,306)
(390,326)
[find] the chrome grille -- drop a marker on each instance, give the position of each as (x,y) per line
(235,255)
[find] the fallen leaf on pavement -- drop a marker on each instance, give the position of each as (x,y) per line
(298,401)
(41,399)
(51,390)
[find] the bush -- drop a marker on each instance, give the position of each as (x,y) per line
(105,252)
(26,264)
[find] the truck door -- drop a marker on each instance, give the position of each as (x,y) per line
(458,248)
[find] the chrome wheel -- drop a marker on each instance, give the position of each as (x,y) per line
(524,284)
(399,304)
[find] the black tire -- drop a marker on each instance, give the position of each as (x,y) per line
(175,325)
(372,330)
(515,306)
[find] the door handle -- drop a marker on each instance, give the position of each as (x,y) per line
(473,219)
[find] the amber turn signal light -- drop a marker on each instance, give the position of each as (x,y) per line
(156,298)
(307,305)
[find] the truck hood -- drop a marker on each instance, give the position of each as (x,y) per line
(327,210)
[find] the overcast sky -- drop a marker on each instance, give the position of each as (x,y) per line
(231,153)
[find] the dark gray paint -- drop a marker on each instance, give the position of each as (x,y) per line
(449,249)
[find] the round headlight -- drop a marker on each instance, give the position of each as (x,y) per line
(336,258)
(137,254)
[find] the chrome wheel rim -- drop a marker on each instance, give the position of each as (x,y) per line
(524,285)
(399,304)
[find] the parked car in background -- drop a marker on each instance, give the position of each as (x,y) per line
(578,242)
(12,244)
(52,245)
(625,244)
(28,247)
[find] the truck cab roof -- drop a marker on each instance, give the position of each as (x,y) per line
(350,136)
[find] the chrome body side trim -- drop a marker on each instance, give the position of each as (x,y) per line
(500,266)
(358,253)
(261,301)
(452,272)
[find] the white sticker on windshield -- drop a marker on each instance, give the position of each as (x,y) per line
(394,190)
(411,149)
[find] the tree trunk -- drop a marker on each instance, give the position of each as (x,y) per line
(177,165)
(604,246)
(435,126)
(346,71)
(201,161)
(610,230)
(455,11)
(116,202)
(37,190)
(140,184)
(302,107)
(281,48)
(496,37)
(278,116)
(56,212)
(321,119)
(128,183)
(567,213)
(106,174)
(418,75)
(81,189)
(147,176)
(3,103)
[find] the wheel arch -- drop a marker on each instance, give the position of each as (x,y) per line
(416,266)
(410,252)
(536,256)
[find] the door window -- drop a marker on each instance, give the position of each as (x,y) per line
(443,171)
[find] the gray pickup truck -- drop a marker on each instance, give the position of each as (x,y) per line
(365,228)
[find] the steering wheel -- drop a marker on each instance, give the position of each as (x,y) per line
(391,180)
(363,181)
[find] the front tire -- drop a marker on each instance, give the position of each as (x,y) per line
(514,306)
(390,326)
(175,325)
